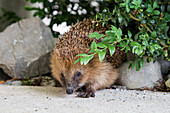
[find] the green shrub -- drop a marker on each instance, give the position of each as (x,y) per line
(138,26)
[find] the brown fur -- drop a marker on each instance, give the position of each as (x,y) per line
(95,75)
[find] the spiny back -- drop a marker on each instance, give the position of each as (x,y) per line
(76,41)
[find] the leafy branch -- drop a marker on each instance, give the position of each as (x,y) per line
(148,36)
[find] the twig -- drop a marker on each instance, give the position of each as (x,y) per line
(131,16)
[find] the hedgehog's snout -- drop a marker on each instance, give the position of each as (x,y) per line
(69,90)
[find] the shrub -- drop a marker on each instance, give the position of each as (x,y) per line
(138,26)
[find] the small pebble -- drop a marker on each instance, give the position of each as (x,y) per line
(17,83)
(9,82)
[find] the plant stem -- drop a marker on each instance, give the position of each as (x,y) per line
(164,46)
(131,16)
(147,28)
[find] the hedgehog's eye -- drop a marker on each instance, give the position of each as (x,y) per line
(78,74)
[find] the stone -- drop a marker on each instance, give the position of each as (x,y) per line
(25,48)
(167,83)
(17,83)
(147,77)
(9,82)
(165,65)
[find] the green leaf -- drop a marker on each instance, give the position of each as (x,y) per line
(129,34)
(77,60)
(127,49)
(138,66)
(153,34)
(91,51)
(119,32)
(114,28)
(93,46)
(149,9)
(138,50)
(122,4)
(151,49)
(82,60)
(156,46)
(152,21)
(127,8)
(119,38)
(101,45)
(149,59)
(82,55)
(112,50)
(162,8)
(156,12)
(133,49)
(96,35)
(137,35)
(133,64)
(113,20)
(127,1)
(117,1)
(106,39)
(110,33)
(141,62)
(134,44)
(120,18)
(155,5)
(102,55)
(144,42)
(87,59)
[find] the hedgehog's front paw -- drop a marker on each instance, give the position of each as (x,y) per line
(86,94)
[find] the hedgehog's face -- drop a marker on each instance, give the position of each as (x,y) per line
(71,76)
(71,80)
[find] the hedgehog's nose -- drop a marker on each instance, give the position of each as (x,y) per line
(69,90)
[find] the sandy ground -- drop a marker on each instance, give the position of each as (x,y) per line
(25,99)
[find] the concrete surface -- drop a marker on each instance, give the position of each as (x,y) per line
(25,99)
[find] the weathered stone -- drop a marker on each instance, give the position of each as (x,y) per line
(165,65)
(147,77)
(167,83)
(25,48)
(17,83)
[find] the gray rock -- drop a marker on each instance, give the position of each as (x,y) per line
(9,82)
(165,65)
(148,76)
(25,48)
(17,83)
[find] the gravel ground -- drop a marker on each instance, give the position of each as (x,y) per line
(32,99)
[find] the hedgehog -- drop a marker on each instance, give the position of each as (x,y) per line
(93,76)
